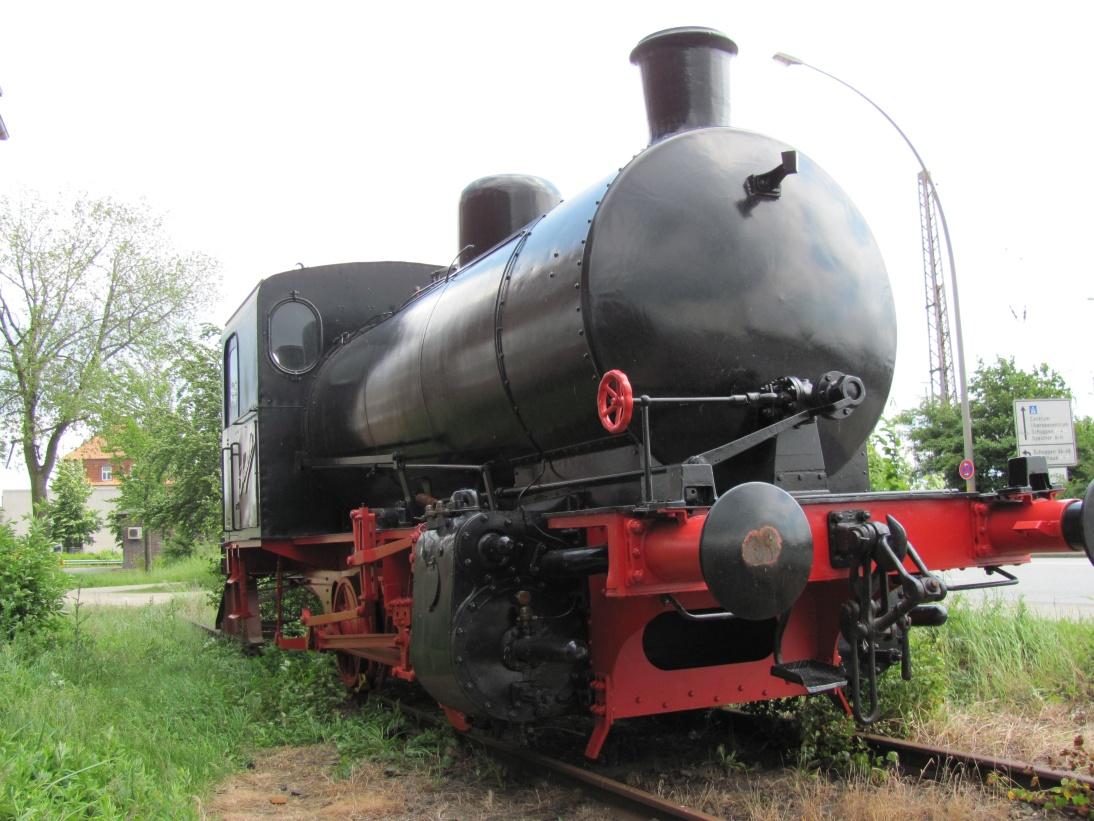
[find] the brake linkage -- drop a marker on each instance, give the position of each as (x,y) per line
(877,615)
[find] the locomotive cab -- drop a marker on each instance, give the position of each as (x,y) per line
(272,347)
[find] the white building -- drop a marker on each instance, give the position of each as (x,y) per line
(102,472)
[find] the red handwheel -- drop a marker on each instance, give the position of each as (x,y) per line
(615,402)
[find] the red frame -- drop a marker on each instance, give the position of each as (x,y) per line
(648,556)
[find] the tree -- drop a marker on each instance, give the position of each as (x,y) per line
(70,522)
(171,431)
(84,291)
(889,466)
(935,428)
(1080,476)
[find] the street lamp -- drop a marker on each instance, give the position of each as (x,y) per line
(3,128)
(966,419)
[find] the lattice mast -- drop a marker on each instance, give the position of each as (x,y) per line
(943,383)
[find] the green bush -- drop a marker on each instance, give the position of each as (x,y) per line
(32,585)
(132,713)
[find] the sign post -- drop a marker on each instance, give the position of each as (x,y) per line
(966,470)
(1045,427)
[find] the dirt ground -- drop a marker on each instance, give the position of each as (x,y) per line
(295,783)
(300,783)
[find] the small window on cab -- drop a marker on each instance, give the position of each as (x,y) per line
(231,380)
(295,335)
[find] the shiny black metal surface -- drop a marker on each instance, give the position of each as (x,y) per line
(263,443)
(696,288)
(756,551)
(494,208)
(685,77)
(489,640)
(482,364)
(671,271)
(1078,523)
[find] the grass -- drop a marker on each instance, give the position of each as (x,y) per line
(1005,652)
(133,714)
(99,555)
(196,570)
(998,652)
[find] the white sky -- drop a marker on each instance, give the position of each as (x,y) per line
(276,133)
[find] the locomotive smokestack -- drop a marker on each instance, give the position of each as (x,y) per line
(685,76)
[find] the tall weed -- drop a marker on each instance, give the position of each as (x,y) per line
(131,713)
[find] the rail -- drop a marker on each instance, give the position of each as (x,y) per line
(925,760)
(630,800)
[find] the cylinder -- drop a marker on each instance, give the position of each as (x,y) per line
(671,550)
(494,208)
(685,78)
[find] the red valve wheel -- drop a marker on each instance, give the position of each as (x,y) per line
(615,402)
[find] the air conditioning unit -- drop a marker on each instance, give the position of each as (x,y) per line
(134,533)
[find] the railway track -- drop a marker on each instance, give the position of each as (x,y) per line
(932,761)
(631,802)
(915,759)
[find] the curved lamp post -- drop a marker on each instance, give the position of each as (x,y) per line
(966,420)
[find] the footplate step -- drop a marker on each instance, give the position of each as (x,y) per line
(814,676)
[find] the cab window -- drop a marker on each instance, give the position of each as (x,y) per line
(295,336)
(231,380)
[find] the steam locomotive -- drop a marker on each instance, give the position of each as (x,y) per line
(611,461)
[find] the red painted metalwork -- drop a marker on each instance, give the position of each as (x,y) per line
(615,401)
(325,538)
(649,555)
(399,611)
(291,549)
(457,719)
(363,606)
(656,554)
(241,616)
(346,619)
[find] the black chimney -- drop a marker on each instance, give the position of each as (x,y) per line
(685,75)
(494,208)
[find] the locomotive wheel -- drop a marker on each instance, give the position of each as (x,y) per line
(615,402)
(345,598)
(350,666)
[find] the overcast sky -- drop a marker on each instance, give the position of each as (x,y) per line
(276,133)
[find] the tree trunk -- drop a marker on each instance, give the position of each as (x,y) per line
(147,549)
(39,471)
(39,481)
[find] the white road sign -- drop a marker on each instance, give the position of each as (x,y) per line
(1045,428)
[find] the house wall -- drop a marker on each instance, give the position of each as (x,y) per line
(16,509)
(93,470)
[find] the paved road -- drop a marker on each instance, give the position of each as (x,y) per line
(1057,586)
(130,595)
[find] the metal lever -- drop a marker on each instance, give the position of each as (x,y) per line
(767,185)
(1008,580)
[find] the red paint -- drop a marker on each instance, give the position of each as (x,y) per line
(651,555)
(615,402)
